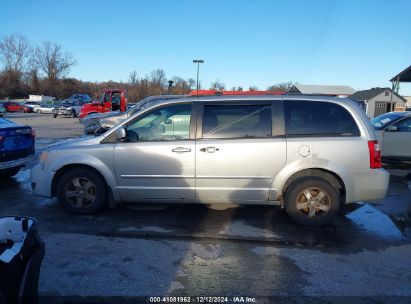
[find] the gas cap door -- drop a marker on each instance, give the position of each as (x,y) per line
(304,150)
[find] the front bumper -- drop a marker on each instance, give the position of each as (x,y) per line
(62,112)
(41,180)
(16,163)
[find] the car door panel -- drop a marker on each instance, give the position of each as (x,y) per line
(157,158)
(152,170)
(240,166)
(240,170)
(397,144)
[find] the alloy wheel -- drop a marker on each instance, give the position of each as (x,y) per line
(313,202)
(80,192)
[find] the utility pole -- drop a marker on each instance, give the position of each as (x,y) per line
(198,61)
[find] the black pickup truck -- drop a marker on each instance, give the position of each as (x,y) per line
(16,147)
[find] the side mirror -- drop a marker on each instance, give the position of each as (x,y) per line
(392,129)
(120,133)
(168,121)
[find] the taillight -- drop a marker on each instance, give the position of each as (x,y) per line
(33,133)
(375,154)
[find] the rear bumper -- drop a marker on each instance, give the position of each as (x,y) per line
(369,186)
(16,162)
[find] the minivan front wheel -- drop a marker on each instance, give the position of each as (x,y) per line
(311,201)
(81,191)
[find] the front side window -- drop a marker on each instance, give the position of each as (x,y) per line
(167,123)
(236,121)
(316,118)
(107,97)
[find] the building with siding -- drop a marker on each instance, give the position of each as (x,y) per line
(377,101)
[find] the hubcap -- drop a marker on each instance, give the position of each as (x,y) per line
(80,192)
(313,201)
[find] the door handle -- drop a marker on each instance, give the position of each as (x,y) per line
(181,150)
(209,149)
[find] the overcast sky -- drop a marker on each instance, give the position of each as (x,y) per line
(357,43)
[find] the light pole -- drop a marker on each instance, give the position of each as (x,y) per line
(198,61)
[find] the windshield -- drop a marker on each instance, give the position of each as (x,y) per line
(384,120)
(66,102)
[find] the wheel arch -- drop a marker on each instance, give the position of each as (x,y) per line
(61,171)
(331,177)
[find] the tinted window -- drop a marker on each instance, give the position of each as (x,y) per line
(236,121)
(318,118)
(167,123)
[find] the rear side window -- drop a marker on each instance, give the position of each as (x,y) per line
(236,121)
(315,118)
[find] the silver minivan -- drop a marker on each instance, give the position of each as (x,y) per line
(309,154)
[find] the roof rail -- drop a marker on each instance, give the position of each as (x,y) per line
(225,93)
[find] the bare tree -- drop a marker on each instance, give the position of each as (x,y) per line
(133,78)
(15,52)
(253,88)
(282,86)
(158,77)
(52,62)
(191,83)
(217,85)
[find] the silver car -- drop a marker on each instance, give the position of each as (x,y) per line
(394,133)
(308,154)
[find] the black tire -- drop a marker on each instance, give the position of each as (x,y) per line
(21,110)
(39,112)
(55,115)
(7,173)
(88,199)
(311,212)
(73,114)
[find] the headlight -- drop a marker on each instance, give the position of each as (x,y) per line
(44,156)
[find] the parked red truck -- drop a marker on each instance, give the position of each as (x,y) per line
(112,100)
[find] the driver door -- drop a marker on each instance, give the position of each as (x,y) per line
(106,105)
(156,160)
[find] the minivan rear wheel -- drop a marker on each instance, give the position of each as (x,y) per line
(311,201)
(81,191)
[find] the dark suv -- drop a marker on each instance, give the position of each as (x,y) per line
(81,97)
